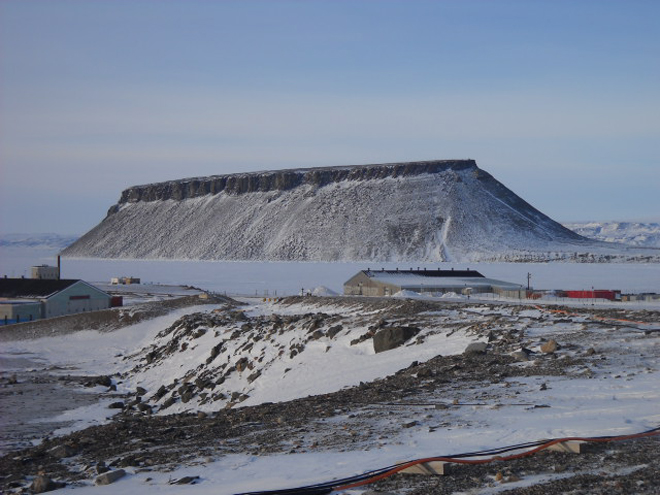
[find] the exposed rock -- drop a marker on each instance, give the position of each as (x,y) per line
(104,380)
(109,477)
(100,468)
(254,376)
(549,347)
(476,348)
(521,355)
(186,480)
(334,330)
(283,180)
(42,484)
(63,451)
(393,337)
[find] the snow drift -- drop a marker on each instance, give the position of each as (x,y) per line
(423,211)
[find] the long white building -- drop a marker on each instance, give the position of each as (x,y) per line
(389,282)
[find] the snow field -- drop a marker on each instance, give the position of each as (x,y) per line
(613,393)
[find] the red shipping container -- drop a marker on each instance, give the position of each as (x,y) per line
(611,295)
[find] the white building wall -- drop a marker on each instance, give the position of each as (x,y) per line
(78,298)
(23,311)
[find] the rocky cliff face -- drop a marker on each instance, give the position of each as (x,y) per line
(424,211)
(283,180)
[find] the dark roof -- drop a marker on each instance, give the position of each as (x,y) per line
(32,287)
(432,273)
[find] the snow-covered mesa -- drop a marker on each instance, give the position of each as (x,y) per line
(419,211)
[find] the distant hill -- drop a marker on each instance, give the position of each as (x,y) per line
(46,241)
(632,233)
(448,210)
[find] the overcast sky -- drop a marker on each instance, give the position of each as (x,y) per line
(559,100)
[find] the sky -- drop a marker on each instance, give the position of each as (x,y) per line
(558,100)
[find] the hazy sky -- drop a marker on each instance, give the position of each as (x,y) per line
(559,100)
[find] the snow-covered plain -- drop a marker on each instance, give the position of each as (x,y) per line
(643,234)
(289,278)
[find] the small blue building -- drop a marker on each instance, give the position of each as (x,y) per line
(24,299)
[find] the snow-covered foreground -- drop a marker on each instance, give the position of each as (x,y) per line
(605,384)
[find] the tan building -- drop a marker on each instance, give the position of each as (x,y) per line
(45,272)
(389,282)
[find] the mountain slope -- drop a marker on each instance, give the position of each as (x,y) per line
(425,211)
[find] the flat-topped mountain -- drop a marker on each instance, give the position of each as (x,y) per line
(446,210)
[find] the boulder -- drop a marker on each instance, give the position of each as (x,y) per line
(109,477)
(43,484)
(476,348)
(393,337)
(63,451)
(186,480)
(334,330)
(103,380)
(550,346)
(522,354)
(254,376)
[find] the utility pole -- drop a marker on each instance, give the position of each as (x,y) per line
(529,277)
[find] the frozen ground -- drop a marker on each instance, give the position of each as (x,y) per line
(276,395)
